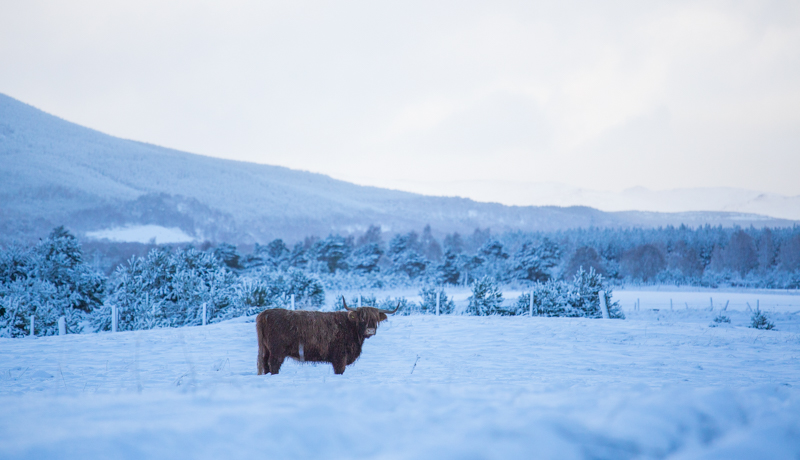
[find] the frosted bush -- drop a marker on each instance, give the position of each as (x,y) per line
(721,318)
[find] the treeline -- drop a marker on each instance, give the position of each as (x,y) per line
(706,256)
(167,286)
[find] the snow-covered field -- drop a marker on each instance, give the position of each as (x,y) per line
(142,234)
(660,384)
(664,297)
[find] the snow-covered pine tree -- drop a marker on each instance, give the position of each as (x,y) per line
(449,270)
(168,289)
(534,262)
(587,286)
(759,320)
(428,303)
(333,252)
(486,298)
(365,259)
(47,281)
(228,255)
(306,288)
(404,252)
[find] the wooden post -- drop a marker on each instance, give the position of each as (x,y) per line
(113,318)
(204,313)
(32,319)
(711,300)
(531,303)
(292,301)
(62,325)
(438,300)
(603,306)
(670,304)
(359,301)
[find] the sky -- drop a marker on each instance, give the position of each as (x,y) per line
(598,95)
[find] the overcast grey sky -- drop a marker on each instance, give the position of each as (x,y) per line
(601,95)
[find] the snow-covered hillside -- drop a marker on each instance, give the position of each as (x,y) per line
(54,173)
(656,385)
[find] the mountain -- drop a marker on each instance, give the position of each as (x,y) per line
(725,199)
(54,172)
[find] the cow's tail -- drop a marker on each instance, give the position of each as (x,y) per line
(263,351)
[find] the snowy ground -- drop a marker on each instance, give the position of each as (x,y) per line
(660,384)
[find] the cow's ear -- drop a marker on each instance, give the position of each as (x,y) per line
(351,316)
(382,317)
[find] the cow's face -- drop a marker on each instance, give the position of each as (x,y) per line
(367,319)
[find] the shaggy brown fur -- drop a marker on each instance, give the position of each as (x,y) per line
(329,337)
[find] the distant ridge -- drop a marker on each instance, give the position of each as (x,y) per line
(54,172)
(724,199)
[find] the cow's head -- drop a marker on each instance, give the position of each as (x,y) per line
(367,318)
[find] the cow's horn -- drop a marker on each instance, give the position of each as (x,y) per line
(345,305)
(391,311)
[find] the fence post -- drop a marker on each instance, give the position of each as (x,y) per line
(32,318)
(438,300)
(114,318)
(359,300)
(204,313)
(62,325)
(292,301)
(531,303)
(670,304)
(603,306)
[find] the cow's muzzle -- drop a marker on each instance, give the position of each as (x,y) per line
(369,332)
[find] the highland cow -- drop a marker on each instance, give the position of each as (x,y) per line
(313,336)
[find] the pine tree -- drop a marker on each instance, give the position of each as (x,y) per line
(228,254)
(47,281)
(333,252)
(405,256)
(428,303)
(365,259)
(534,262)
(448,271)
(486,298)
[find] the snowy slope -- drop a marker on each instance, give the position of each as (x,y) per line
(54,172)
(425,387)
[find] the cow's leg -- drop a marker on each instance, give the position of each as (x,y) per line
(339,365)
(263,359)
(275,363)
